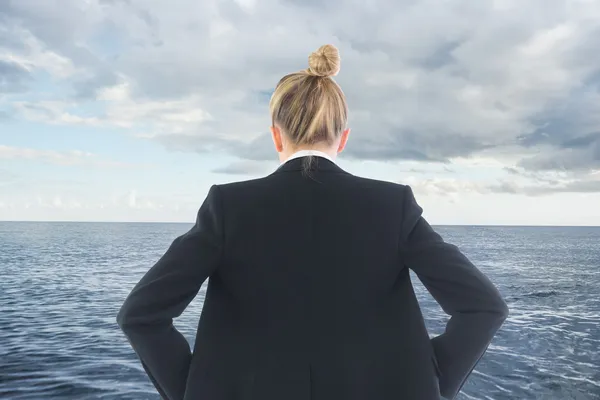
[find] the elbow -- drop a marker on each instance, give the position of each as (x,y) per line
(121,318)
(501,312)
(498,306)
(501,306)
(132,317)
(504,310)
(497,311)
(124,317)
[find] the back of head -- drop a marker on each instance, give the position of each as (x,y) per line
(309,106)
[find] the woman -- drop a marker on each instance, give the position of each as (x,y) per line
(309,295)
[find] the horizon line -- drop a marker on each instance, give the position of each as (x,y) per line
(191,222)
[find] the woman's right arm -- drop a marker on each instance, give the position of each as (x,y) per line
(476,308)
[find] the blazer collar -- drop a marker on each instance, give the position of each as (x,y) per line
(319,163)
(304,153)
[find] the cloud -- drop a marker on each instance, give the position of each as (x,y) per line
(23,53)
(565,158)
(7,177)
(54,112)
(63,158)
(246,168)
(567,136)
(573,186)
(531,186)
(13,77)
(428,82)
(120,110)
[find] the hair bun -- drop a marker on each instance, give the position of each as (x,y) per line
(325,61)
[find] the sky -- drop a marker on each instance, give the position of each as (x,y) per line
(126,110)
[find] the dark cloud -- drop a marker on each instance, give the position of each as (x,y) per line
(441,57)
(412,145)
(582,141)
(578,153)
(568,122)
(566,135)
(378,150)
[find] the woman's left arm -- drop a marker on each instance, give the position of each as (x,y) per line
(164,292)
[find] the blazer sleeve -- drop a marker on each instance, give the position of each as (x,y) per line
(476,308)
(163,293)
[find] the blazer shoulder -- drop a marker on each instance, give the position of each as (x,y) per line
(380,184)
(241,185)
(239,189)
(396,195)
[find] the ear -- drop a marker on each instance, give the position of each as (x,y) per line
(343,140)
(277,139)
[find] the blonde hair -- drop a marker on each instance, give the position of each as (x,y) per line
(309,106)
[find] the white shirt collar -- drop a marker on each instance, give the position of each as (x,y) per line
(304,153)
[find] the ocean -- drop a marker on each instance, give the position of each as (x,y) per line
(61,285)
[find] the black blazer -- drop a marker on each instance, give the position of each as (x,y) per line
(309,296)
